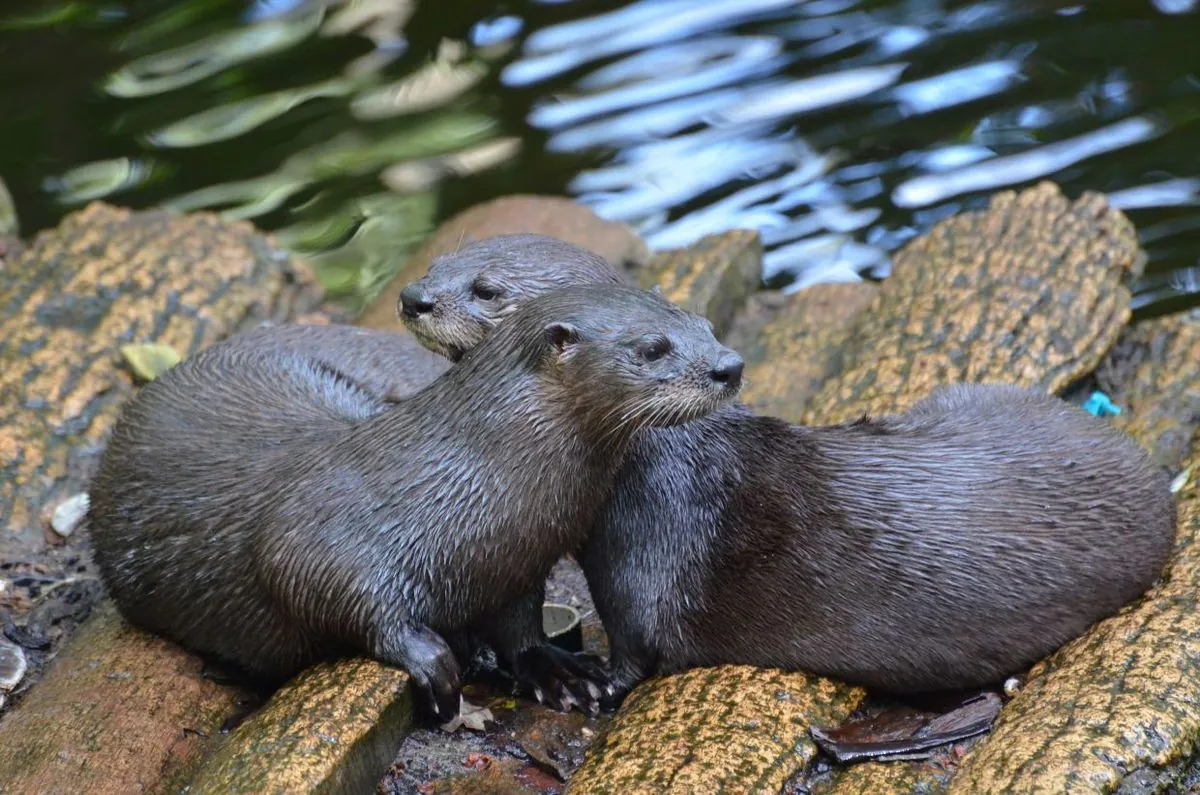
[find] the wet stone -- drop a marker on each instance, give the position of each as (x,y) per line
(12,665)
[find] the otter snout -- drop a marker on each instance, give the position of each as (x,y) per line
(415,301)
(727,372)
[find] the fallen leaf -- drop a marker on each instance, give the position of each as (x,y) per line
(470,716)
(150,360)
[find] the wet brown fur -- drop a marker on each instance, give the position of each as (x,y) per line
(943,548)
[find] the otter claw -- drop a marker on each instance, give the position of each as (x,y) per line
(560,679)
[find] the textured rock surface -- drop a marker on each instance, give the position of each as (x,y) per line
(102,278)
(713,277)
(118,711)
(754,720)
(893,778)
(793,343)
(1152,375)
(1004,280)
(1031,291)
(546,215)
(332,729)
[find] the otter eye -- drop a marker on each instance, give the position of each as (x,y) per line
(653,350)
(484,292)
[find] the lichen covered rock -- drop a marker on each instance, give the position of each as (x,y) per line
(1032,291)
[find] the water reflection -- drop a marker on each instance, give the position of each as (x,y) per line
(839,128)
(698,149)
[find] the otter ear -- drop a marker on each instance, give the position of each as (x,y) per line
(561,335)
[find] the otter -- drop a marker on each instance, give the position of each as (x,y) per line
(262,509)
(943,548)
(939,549)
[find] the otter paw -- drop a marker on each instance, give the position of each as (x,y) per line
(560,679)
(434,671)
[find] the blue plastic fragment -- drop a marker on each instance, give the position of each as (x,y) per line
(1100,405)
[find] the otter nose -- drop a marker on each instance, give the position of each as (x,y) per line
(415,301)
(728,370)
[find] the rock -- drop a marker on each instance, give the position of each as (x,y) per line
(710,729)
(1159,396)
(106,277)
(547,215)
(69,514)
(1030,290)
(334,728)
(119,709)
(793,343)
(713,277)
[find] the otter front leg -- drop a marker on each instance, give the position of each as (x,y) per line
(428,659)
(557,678)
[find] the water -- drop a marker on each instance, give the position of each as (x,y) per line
(839,128)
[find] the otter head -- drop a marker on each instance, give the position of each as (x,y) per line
(628,358)
(465,294)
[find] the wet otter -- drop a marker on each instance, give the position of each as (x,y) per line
(943,548)
(259,507)
(465,294)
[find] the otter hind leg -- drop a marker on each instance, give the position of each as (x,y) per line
(561,679)
(558,678)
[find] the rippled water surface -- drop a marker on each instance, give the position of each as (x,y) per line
(838,128)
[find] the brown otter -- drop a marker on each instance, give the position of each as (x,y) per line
(463,295)
(942,548)
(257,506)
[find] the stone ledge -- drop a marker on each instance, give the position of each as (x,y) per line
(334,728)
(118,709)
